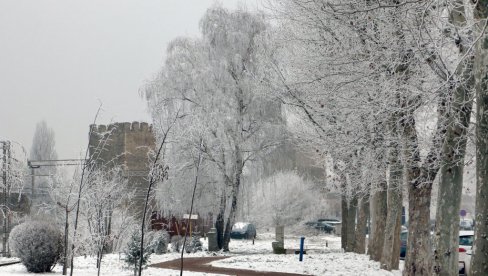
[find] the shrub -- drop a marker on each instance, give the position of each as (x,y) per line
(193,244)
(176,243)
(39,245)
(133,252)
(159,242)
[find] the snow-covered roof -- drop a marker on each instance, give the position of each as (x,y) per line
(240,226)
(466,233)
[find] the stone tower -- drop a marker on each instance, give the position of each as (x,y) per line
(126,145)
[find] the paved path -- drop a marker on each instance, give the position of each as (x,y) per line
(202,265)
(9,263)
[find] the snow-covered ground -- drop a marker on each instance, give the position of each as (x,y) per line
(323,257)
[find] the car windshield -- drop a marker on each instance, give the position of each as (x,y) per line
(240,226)
(403,236)
(466,240)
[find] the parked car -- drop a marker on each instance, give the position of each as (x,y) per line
(243,230)
(466,239)
(337,224)
(466,224)
(322,226)
(403,244)
(329,220)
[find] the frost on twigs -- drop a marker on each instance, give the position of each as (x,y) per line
(39,245)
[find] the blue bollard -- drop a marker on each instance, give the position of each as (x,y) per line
(302,242)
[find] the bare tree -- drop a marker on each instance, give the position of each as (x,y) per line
(12,162)
(106,192)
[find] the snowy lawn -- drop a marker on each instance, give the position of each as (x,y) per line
(111,266)
(319,260)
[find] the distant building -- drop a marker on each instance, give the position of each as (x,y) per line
(127,145)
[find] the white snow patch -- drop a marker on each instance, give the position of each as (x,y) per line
(319,260)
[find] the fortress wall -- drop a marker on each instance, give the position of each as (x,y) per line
(127,145)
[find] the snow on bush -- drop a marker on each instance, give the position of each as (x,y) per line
(176,243)
(158,241)
(193,244)
(39,245)
(133,252)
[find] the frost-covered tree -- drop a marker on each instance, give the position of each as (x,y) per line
(329,72)
(43,148)
(13,204)
(288,198)
(479,265)
(344,59)
(220,97)
(106,193)
(43,143)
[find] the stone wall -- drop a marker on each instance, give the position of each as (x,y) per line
(127,145)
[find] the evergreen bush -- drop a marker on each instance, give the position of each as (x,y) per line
(133,252)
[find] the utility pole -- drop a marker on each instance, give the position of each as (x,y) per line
(5,150)
(8,190)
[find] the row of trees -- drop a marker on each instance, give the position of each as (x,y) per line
(382,90)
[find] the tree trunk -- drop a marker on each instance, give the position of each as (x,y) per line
(397,243)
(65,259)
(344,222)
(379,219)
(479,262)
(450,185)
(99,261)
(363,214)
(371,225)
(235,194)
(446,238)
(389,256)
(231,218)
(219,223)
(351,224)
(418,258)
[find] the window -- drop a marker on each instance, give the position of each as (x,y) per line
(466,240)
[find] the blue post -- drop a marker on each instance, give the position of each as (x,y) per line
(302,241)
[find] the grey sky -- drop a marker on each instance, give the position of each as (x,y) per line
(59,58)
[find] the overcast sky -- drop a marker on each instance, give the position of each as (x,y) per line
(58,59)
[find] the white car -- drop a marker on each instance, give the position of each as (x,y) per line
(466,239)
